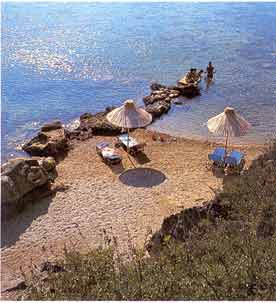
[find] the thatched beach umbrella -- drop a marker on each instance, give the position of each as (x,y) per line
(129,116)
(228,124)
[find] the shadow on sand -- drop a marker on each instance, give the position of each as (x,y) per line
(142,158)
(142,177)
(12,228)
(117,169)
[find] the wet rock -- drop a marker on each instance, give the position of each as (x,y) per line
(157,86)
(157,109)
(74,125)
(51,143)
(51,126)
(158,102)
(178,102)
(85,116)
(148,100)
(189,91)
(21,176)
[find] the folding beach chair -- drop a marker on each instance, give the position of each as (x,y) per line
(235,162)
(130,144)
(108,154)
(218,156)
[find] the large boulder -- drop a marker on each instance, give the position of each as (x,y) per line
(51,143)
(157,86)
(98,124)
(51,126)
(158,108)
(20,177)
(188,91)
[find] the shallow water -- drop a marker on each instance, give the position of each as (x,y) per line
(62,59)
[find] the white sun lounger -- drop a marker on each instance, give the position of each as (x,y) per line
(131,144)
(108,154)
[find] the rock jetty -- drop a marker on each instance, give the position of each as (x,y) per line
(54,139)
(161,96)
(93,125)
(50,141)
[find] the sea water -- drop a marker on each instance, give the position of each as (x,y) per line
(60,60)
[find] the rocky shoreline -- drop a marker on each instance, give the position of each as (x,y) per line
(54,140)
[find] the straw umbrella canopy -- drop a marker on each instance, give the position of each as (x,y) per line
(129,116)
(228,124)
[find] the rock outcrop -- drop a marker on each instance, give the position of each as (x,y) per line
(158,108)
(96,124)
(51,126)
(53,143)
(178,226)
(19,179)
(161,97)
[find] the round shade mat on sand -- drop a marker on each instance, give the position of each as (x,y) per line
(142,177)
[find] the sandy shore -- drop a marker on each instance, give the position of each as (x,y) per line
(96,199)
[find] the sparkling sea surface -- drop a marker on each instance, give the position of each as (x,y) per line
(60,60)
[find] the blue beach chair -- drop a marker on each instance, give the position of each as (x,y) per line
(218,156)
(235,161)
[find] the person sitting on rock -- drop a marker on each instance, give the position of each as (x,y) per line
(210,70)
(189,75)
(192,76)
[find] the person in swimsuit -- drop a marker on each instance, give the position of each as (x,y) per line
(210,70)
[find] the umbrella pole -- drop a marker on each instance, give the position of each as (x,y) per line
(226,143)
(128,148)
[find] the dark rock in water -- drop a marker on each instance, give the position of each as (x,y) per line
(148,100)
(51,143)
(178,102)
(188,91)
(86,116)
(157,86)
(21,176)
(157,109)
(158,102)
(51,126)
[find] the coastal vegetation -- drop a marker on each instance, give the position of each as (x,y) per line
(229,254)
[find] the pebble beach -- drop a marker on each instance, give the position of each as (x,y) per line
(94,198)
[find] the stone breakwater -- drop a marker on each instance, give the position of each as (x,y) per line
(159,101)
(55,140)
